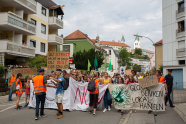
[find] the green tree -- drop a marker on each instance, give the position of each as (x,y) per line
(161,68)
(125,57)
(146,57)
(136,68)
(138,51)
(38,62)
(81,58)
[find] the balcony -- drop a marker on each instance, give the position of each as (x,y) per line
(181,52)
(180,34)
(53,39)
(11,22)
(55,23)
(15,49)
(180,13)
(29,6)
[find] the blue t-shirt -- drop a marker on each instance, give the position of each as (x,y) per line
(60,84)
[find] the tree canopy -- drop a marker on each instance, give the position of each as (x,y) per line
(136,68)
(138,51)
(38,62)
(125,57)
(80,58)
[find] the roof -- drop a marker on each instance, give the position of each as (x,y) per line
(93,41)
(76,35)
(159,42)
(109,43)
(149,51)
(47,3)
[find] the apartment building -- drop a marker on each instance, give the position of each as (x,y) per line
(28,28)
(174,36)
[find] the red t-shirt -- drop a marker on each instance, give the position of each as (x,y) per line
(130,82)
(27,88)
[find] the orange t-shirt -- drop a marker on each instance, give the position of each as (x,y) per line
(161,79)
(96,84)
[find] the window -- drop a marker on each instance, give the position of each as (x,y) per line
(181,44)
(66,48)
(181,62)
(32,43)
(33,21)
(42,47)
(181,26)
(43,11)
(43,28)
(109,52)
(180,6)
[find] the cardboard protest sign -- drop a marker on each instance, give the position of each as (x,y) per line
(126,97)
(148,81)
(24,71)
(128,72)
(58,60)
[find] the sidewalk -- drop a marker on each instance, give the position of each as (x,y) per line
(181,110)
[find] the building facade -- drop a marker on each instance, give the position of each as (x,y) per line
(28,28)
(145,64)
(159,54)
(174,36)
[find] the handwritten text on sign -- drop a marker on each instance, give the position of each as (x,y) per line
(58,60)
(148,81)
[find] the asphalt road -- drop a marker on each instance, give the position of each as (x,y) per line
(9,115)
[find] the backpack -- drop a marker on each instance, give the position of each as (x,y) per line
(66,84)
(13,87)
(91,86)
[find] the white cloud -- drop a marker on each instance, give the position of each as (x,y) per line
(111,19)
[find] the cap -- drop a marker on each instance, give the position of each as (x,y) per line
(41,70)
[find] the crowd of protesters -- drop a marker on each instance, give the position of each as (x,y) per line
(58,78)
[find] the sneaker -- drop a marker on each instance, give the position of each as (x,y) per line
(172,106)
(109,108)
(90,112)
(94,114)
(60,116)
(105,110)
(57,113)
(25,105)
(43,116)
(36,118)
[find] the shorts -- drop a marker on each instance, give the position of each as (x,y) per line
(27,95)
(93,100)
(59,98)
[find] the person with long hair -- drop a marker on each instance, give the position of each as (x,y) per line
(19,90)
(107,97)
(94,95)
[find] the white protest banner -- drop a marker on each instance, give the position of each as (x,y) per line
(133,97)
(76,97)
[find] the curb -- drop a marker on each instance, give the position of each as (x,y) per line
(180,113)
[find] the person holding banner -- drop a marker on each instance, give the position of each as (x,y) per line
(94,96)
(19,90)
(107,97)
(59,92)
(40,84)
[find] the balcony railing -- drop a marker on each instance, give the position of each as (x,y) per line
(11,21)
(16,49)
(180,13)
(56,23)
(180,33)
(54,39)
(181,52)
(31,4)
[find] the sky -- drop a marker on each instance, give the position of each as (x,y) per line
(110,19)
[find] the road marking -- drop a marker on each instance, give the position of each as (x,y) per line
(127,117)
(10,107)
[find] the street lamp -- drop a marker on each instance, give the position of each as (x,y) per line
(136,35)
